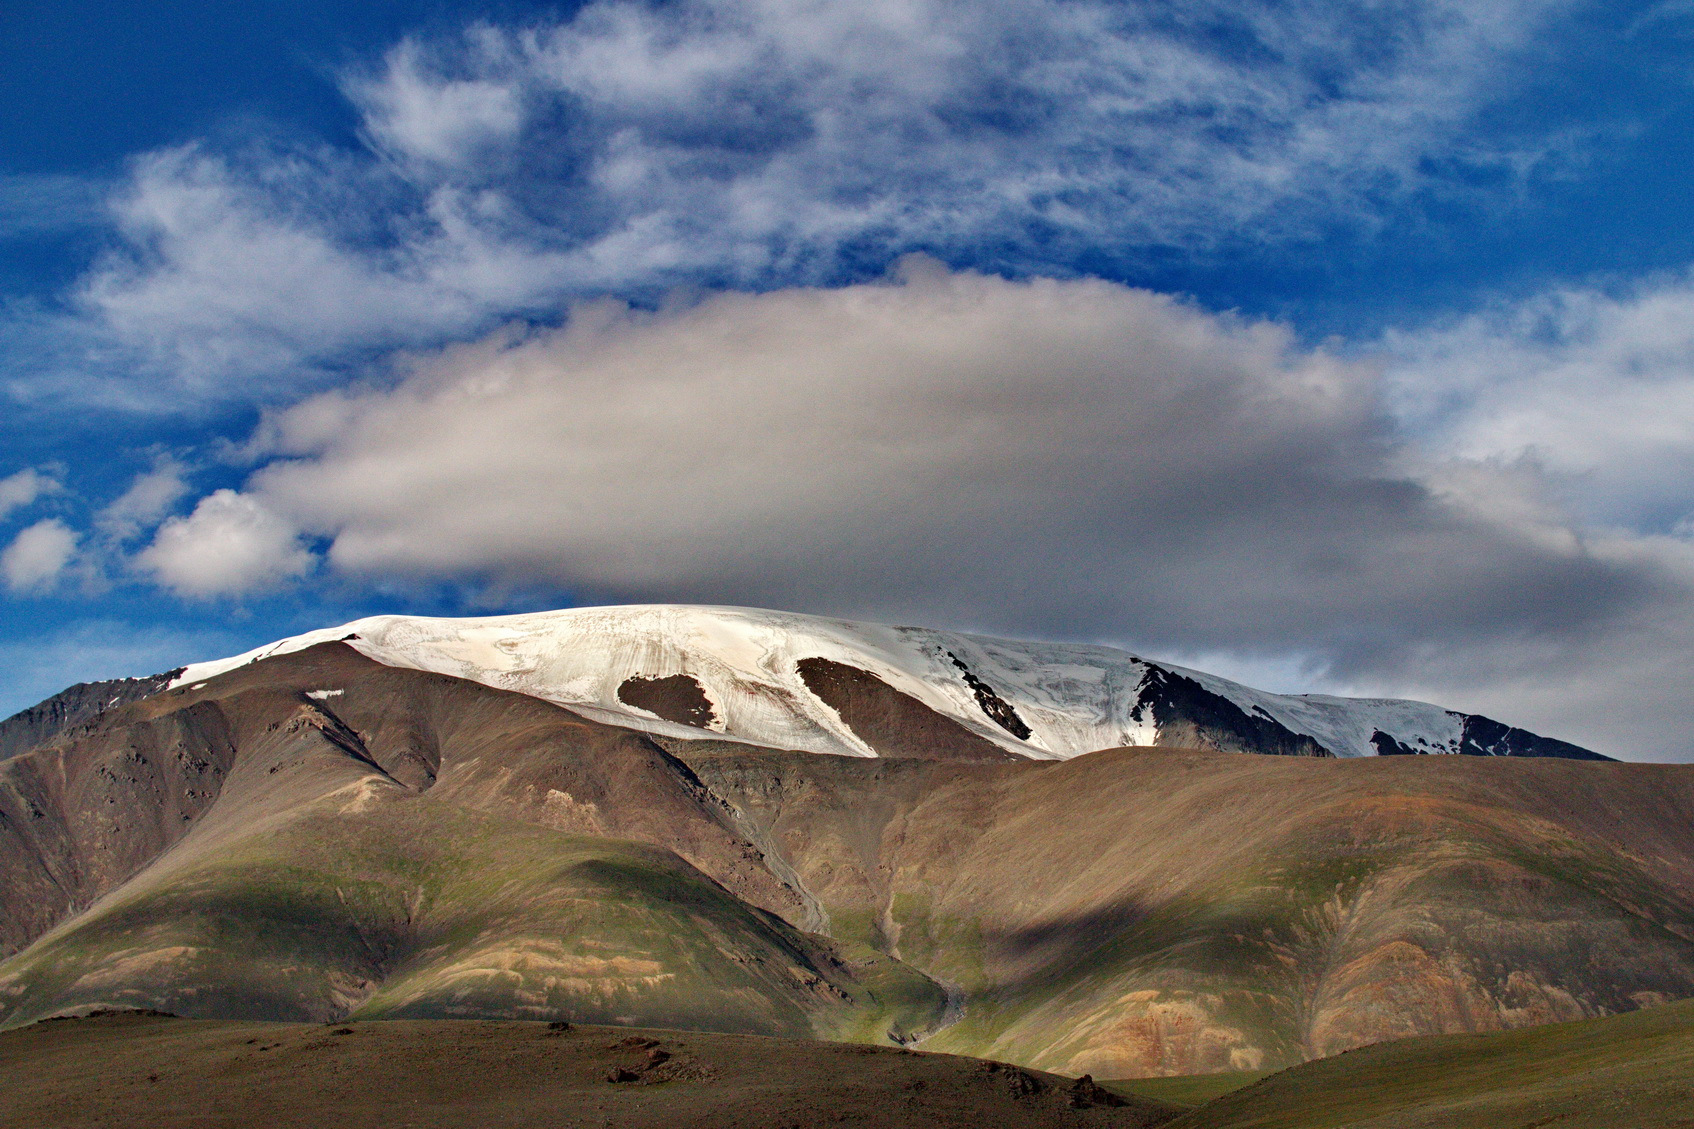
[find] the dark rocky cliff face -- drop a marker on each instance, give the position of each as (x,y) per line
(1192,717)
(46,720)
(1485,737)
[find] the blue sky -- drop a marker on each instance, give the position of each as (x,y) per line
(1336,346)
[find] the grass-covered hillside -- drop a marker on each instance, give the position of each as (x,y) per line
(316,836)
(1631,1071)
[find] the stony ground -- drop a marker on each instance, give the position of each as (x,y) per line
(131,1069)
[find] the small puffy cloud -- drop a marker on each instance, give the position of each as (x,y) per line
(149,497)
(38,556)
(230,544)
(20,489)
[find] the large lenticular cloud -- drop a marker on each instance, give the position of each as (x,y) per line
(1042,456)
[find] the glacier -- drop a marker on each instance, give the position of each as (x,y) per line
(1055,700)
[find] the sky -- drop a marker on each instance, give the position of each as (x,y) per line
(1332,345)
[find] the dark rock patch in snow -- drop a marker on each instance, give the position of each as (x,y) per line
(1190,716)
(1387,746)
(675,697)
(892,723)
(999,711)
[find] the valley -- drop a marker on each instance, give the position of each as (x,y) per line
(314,836)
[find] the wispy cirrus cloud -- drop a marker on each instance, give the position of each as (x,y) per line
(34,204)
(636,147)
(148,499)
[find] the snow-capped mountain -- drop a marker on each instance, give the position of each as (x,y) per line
(351,824)
(792,681)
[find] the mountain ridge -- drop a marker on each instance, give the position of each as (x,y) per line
(412,843)
(744,677)
(73,706)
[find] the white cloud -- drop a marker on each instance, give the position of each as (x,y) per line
(38,556)
(149,497)
(230,544)
(20,489)
(769,433)
(1595,391)
(635,147)
(417,113)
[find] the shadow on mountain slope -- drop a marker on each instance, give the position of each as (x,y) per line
(317,833)
(1158,911)
(411,908)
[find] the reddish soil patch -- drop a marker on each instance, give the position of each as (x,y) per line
(892,723)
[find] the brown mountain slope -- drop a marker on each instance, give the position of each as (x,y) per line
(325,834)
(411,845)
(73,706)
(1147,911)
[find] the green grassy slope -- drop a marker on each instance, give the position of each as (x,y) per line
(418,909)
(1185,1090)
(1631,1071)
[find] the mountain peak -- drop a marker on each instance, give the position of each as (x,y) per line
(815,684)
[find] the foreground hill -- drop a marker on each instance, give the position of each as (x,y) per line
(1625,1072)
(317,835)
(170,1073)
(245,850)
(1633,1071)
